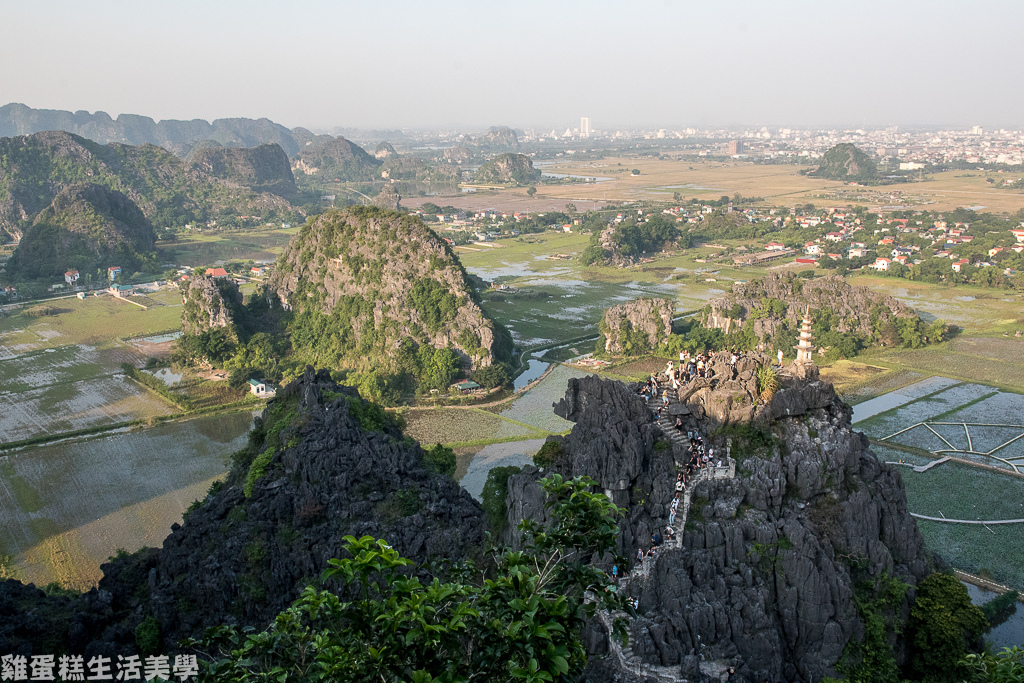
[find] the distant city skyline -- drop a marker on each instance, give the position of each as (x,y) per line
(652,64)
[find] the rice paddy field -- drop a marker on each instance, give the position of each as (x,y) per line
(456,426)
(93,321)
(993,490)
(137,483)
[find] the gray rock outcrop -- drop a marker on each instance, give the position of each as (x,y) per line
(764,578)
(209,303)
(651,317)
(388,198)
(505,169)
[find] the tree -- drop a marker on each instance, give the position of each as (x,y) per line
(374,622)
(490,376)
(531,190)
(943,623)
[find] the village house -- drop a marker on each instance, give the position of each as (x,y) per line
(1019,234)
(261,389)
(257,271)
(834,236)
(113,272)
(881,263)
(957,265)
(71,277)
(812,248)
(121,291)
(216,272)
(774,246)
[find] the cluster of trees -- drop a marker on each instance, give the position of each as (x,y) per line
(633,239)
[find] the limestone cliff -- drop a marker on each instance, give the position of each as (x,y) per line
(389,278)
(650,318)
(764,572)
(853,306)
(209,303)
(516,169)
(388,198)
(321,464)
(498,138)
(384,150)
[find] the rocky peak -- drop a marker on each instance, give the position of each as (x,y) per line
(650,317)
(457,155)
(763,576)
(388,198)
(384,150)
(393,277)
(209,303)
(264,169)
(88,227)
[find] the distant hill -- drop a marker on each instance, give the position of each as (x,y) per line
(498,139)
(337,158)
(178,136)
(506,169)
(35,168)
(846,162)
(87,227)
(264,169)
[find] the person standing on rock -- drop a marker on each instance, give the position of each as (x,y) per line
(780,356)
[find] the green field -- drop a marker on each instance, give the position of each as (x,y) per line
(203,249)
(95,321)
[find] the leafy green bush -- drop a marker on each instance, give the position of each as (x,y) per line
(440,459)
(494,494)
(548,454)
(147,636)
(943,625)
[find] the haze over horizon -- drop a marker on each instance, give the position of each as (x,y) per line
(661,63)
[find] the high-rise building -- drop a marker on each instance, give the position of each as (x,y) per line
(585,127)
(735,147)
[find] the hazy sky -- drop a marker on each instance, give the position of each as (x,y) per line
(433,63)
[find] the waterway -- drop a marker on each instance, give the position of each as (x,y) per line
(1006,634)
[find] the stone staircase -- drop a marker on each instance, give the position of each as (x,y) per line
(624,656)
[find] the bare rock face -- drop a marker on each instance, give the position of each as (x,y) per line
(652,317)
(852,305)
(394,278)
(457,155)
(764,578)
(209,303)
(384,150)
(388,198)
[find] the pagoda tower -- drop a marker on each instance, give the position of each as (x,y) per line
(803,348)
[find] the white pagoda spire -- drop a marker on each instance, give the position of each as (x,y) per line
(804,350)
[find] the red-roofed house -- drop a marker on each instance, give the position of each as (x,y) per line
(958,264)
(881,263)
(71,277)
(216,272)
(113,272)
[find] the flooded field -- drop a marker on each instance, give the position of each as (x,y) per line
(78,405)
(953,490)
(65,508)
(479,461)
